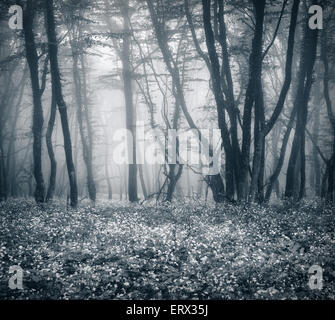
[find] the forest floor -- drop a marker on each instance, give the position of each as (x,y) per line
(187,250)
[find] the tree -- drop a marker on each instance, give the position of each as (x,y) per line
(281,100)
(32,59)
(57,87)
(128,97)
(82,105)
(215,181)
(48,140)
(331,116)
(296,165)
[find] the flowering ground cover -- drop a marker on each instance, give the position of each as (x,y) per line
(187,250)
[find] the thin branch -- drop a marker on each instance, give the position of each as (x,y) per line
(276,30)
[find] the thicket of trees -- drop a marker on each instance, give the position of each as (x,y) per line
(255,70)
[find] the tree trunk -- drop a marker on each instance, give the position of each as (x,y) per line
(297,156)
(274,144)
(86,141)
(316,169)
(288,69)
(144,189)
(222,79)
(331,116)
(128,96)
(32,59)
(173,69)
(173,179)
(274,177)
(48,140)
(90,176)
(253,92)
(109,185)
(3,187)
(217,186)
(55,76)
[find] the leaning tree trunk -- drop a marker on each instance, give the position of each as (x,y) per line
(32,59)
(172,176)
(48,140)
(55,76)
(173,69)
(274,177)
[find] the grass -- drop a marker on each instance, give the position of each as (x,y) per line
(187,250)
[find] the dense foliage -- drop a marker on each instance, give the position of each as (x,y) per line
(187,250)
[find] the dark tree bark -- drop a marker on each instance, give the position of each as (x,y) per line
(173,69)
(331,116)
(232,158)
(217,187)
(274,142)
(173,179)
(32,59)
(297,162)
(288,69)
(253,93)
(143,186)
(173,176)
(6,100)
(316,168)
(259,137)
(48,140)
(274,146)
(231,155)
(128,96)
(267,127)
(273,178)
(55,76)
(3,190)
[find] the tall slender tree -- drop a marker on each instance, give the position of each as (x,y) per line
(56,83)
(296,165)
(32,59)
